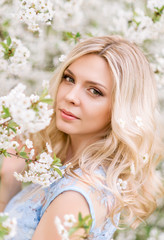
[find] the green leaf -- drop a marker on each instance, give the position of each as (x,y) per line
(80,217)
(46,100)
(78,35)
(72,230)
(6,112)
(90,222)
(43,97)
(13,129)
(58,171)
(22,149)
(69,34)
(23,154)
(44,93)
(8,41)
(4,152)
(4,45)
(57,161)
(35,108)
(13,124)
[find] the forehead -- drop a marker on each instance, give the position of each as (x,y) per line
(91,67)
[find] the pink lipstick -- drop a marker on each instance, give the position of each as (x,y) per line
(68,115)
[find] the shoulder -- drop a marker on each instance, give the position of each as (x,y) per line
(72,196)
(68,202)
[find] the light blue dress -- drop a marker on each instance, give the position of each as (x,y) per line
(29,205)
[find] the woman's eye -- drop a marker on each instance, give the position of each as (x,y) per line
(96,92)
(68,78)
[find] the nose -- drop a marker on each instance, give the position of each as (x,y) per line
(73,95)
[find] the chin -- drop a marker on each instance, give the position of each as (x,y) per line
(62,128)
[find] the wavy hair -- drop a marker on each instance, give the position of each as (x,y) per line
(131,147)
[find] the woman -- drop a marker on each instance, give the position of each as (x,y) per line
(104,125)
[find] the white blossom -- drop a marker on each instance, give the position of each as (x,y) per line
(29,143)
(22,112)
(138,121)
(35,12)
(69,220)
(41,171)
(132,168)
(121,184)
(49,149)
(10,224)
(14,144)
(32,153)
(45,84)
(16,63)
(61,229)
(62,58)
(155,3)
(145,158)
(34,98)
(2,121)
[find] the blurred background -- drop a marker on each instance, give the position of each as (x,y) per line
(36,35)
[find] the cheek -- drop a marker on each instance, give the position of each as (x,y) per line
(100,114)
(60,94)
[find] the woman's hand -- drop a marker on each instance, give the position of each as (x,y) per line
(9,185)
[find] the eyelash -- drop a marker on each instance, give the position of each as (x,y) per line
(67,78)
(97,92)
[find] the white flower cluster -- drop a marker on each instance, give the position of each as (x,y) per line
(22,111)
(42,171)
(142,28)
(6,137)
(7,134)
(152,4)
(17,61)
(69,221)
(34,12)
(155,234)
(9,224)
(145,158)
(121,184)
(68,15)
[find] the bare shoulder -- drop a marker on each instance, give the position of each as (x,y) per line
(68,202)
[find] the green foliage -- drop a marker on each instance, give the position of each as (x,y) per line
(12,125)
(6,112)
(157,14)
(9,50)
(83,223)
(3,231)
(57,161)
(4,152)
(43,98)
(72,36)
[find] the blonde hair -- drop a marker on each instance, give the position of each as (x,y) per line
(130,149)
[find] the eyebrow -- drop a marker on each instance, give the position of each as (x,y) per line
(88,81)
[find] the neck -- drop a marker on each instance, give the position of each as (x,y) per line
(77,145)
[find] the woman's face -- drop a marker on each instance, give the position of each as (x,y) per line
(83,106)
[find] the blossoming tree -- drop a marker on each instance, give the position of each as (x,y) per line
(35,36)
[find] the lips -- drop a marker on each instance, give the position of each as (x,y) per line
(69,114)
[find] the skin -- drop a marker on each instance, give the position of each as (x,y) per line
(85,91)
